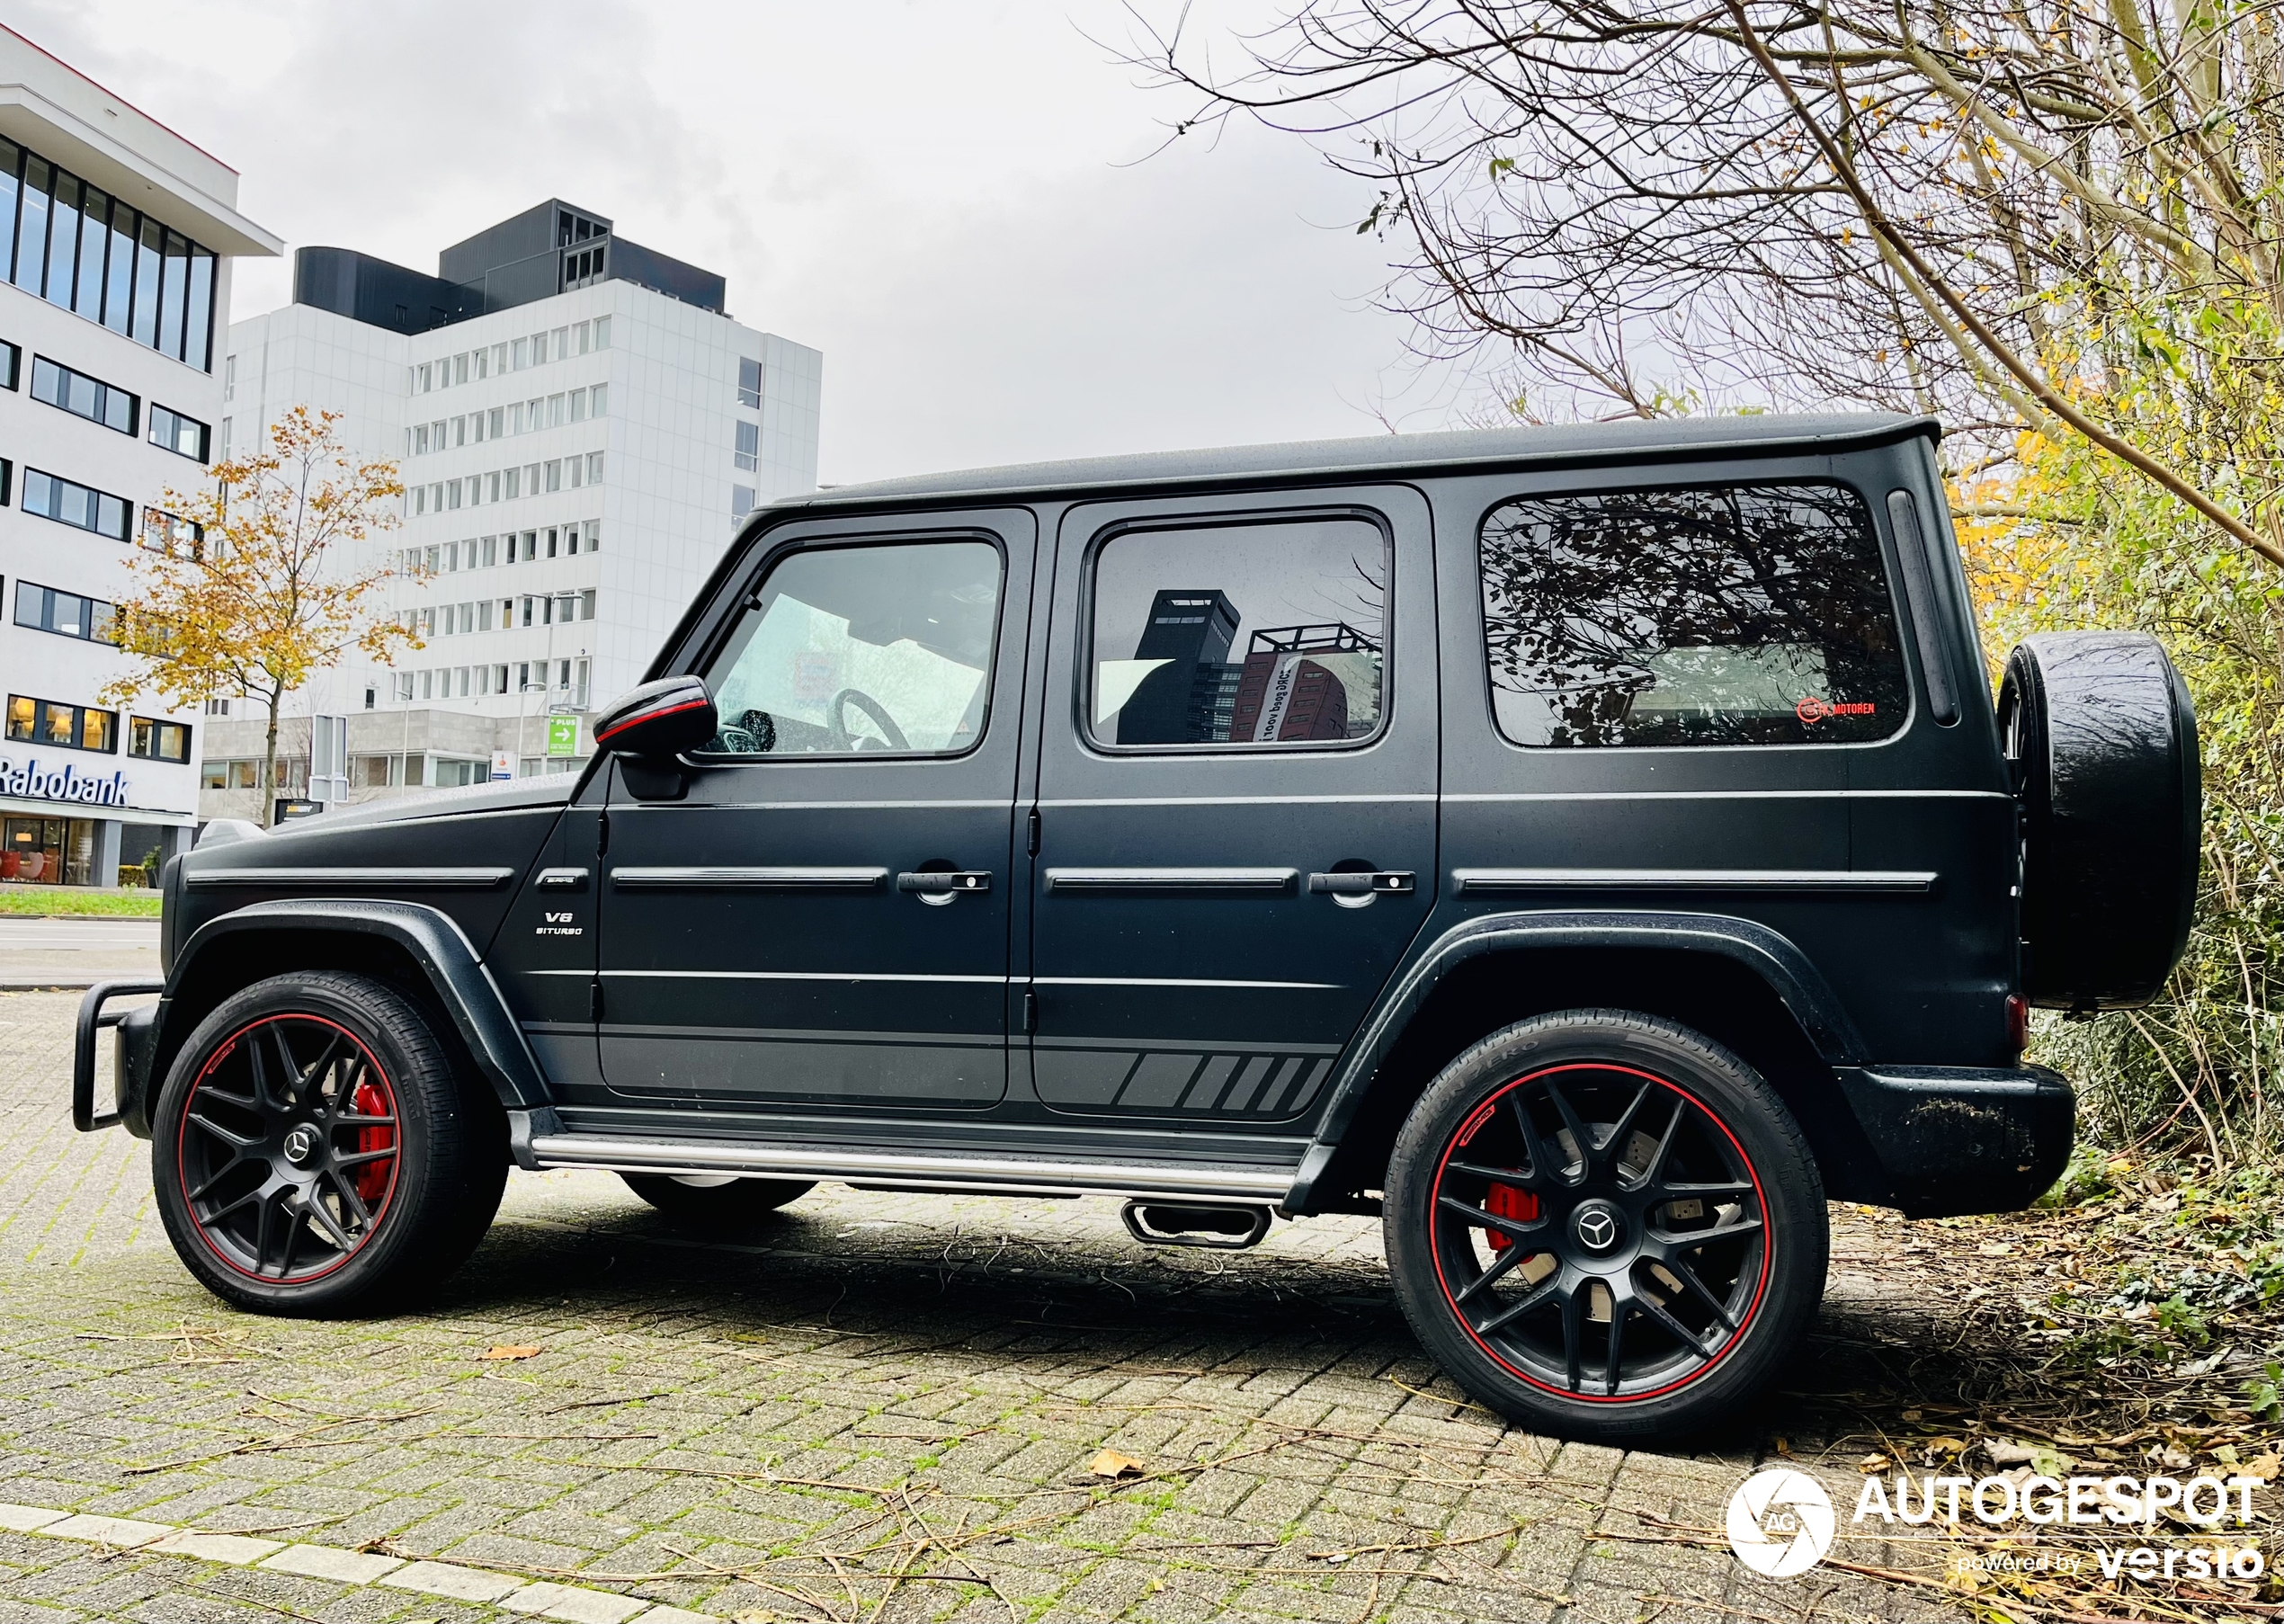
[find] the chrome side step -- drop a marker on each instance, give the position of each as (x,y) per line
(985,1176)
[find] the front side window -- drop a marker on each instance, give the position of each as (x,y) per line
(1269,634)
(1728,615)
(859,650)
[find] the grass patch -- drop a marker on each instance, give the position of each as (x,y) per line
(54,899)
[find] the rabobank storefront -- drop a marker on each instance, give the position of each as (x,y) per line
(73,822)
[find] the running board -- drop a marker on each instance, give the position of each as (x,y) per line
(984,1175)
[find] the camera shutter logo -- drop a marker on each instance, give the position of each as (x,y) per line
(1781,1522)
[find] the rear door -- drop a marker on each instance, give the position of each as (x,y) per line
(1236,798)
(822,920)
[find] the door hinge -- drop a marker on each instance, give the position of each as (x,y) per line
(1031,1012)
(1032,839)
(594,1001)
(602,833)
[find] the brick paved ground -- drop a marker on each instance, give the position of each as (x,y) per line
(936,1372)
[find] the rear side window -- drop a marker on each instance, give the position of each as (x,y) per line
(1265,635)
(1730,615)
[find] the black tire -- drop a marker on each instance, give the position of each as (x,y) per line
(1716,1240)
(736,1205)
(316,1151)
(2101,739)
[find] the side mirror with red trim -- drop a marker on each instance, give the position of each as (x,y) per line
(649,726)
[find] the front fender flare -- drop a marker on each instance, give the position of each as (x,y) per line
(455,972)
(1767,953)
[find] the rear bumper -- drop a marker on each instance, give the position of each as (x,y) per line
(1943,1141)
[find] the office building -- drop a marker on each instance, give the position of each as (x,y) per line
(116,240)
(581,426)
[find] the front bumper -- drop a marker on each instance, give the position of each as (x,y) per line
(130,1056)
(1943,1141)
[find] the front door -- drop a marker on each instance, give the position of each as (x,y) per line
(1237,801)
(822,920)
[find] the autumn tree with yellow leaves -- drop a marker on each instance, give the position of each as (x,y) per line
(258,584)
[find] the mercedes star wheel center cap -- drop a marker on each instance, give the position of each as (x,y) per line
(300,1145)
(1597,1226)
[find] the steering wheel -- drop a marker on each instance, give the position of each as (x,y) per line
(838,729)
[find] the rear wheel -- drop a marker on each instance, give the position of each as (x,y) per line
(314,1149)
(716,1201)
(1605,1225)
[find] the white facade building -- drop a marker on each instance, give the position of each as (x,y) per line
(116,237)
(580,427)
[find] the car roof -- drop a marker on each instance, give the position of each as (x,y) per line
(1393,456)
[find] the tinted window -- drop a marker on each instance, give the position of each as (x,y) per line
(852,650)
(1255,634)
(1742,615)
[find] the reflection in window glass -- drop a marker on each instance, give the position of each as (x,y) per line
(1745,615)
(1259,634)
(858,649)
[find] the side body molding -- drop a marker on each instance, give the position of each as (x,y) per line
(455,972)
(1765,952)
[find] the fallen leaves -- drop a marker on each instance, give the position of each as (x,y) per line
(1110,1463)
(508,1350)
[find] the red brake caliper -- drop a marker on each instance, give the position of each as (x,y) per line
(1508,1202)
(371,1177)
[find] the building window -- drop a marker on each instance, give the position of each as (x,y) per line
(225,440)
(749,382)
(158,741)
(586,605)
(230,378)
(594,468)
(66,614)
(749,446)
(741,500)
(54,722)
(165,533)
(185,436)
(602,332)
(75,505)
(601,400)
(217,706)
(594,534)
(79,248)
(82,395)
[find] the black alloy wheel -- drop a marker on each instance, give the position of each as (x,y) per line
(1605,1225)
(287,1148)
(317,1147)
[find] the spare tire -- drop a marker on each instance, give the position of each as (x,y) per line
(2101,739)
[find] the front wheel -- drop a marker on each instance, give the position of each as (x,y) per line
(314,1148)
(1605,1225)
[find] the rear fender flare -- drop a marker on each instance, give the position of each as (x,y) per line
(431,939)
(1766,953)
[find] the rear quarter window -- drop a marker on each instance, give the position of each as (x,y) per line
(1744,614)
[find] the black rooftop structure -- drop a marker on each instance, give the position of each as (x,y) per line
(1303,461)
(544,251)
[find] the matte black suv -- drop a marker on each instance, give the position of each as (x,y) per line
(1587,848)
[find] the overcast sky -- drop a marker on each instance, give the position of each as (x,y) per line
(954,202)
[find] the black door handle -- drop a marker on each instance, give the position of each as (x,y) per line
(1383,882)
(955,883)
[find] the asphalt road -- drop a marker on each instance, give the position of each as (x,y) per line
(72,952)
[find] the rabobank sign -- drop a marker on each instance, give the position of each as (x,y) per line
(35,779)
